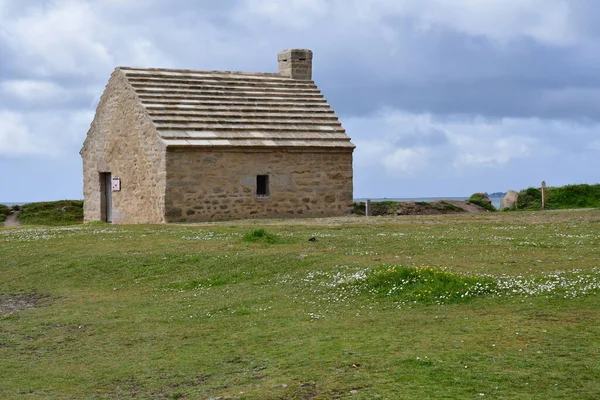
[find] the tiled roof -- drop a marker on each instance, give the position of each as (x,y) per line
(236,109)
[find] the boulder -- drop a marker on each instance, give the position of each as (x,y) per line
(509,200)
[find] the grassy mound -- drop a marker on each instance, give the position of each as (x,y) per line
(569,196)
(482,200)
(424,284)
(52,213)
(4,211)
(262,236)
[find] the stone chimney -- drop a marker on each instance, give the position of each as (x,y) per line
(295,63)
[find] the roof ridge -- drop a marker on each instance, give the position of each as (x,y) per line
(185,70)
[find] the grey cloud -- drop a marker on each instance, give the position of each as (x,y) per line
(363,64)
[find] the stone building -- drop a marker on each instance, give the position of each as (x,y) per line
(171,145)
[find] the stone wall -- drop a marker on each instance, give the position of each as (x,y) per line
(216,185)
(122,140)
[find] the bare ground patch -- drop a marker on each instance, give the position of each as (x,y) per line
(12,220)
(12,304)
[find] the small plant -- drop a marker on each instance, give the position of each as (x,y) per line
(482,200)
(260,235)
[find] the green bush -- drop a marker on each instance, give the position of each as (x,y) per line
(358,208)
(530,199)
(482,200)
(4,211)
(569,196)
(573,196)
(386,207)
(62,212)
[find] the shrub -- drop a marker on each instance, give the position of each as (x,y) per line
(482,200)
(4,211)
(358,208)
(569,196)
(530,199)
(383,207)
(573,196)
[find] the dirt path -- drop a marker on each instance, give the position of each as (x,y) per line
(12,221)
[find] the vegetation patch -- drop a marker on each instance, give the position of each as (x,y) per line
(261,236)
(529,199)
(560,197)
(52,213)
(423,284)
(444,206)
(4,211)
(378,208)
(482,200)
(432,285)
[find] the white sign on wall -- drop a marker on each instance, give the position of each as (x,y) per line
(116,184)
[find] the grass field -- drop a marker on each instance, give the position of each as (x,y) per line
(497,306)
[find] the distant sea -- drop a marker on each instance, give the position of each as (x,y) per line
(495,200)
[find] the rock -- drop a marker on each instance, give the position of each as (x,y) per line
(509,200)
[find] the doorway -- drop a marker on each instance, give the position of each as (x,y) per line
(106,196)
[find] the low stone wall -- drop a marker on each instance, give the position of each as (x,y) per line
(218,185)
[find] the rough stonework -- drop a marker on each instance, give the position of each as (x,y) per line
(123,141)
(509,201)
(210,145)
(205,185)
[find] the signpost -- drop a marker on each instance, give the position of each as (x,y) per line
(543,195)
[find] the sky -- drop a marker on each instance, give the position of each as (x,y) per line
(440,97)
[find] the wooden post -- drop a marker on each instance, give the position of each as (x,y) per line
(543,195)
(368,208)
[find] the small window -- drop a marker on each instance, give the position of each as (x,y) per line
(262,185)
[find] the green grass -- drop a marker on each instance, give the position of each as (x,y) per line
(4,211)
(560,197)
(181,311)
(52,213)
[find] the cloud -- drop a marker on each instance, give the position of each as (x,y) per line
(43,133)
(62,38)
(15,137)
(33,90)
(435,93)
(402,146)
